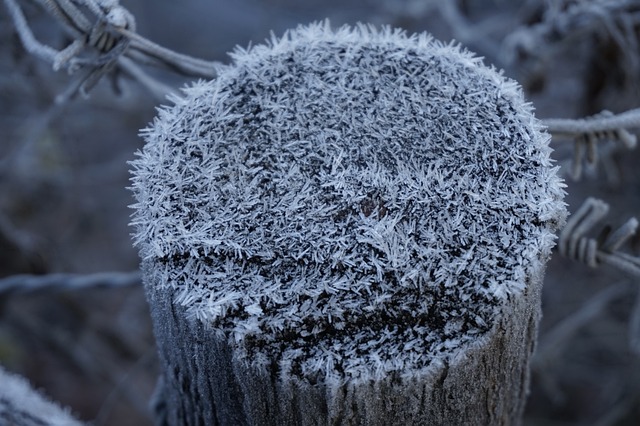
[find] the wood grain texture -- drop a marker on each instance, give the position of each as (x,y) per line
(486,383)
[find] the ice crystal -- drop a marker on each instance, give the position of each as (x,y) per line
(346,203)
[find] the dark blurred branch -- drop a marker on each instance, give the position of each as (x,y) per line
(18,255)
(123,388)
(466,32)
(634,326)
(560,336)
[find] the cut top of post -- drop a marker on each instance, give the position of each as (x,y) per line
(347,203)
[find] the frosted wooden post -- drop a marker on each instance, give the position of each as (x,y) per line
(21,405)
(350,228)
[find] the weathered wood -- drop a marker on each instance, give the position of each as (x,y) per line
(346,228)
(485,383)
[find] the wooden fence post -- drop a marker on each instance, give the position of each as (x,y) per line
(346,227)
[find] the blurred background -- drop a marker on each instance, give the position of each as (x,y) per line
(64,202)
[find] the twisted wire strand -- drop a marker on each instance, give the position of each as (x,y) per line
(108,37)
(587,134)
(574,244)
(29,41)
(22,284)
(603,122)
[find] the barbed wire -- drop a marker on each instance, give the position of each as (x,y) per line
(605,249)
(599,123)
(589,133)
(105,42)
(26,283)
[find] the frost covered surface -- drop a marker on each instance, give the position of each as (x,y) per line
(347,203)
(20,405)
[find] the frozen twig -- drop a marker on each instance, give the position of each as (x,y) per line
(563,20)
(105,37)
(605,32)
(605,249)
(66,282)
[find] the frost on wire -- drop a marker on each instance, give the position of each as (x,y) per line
(344,204)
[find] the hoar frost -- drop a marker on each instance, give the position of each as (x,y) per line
(347,203)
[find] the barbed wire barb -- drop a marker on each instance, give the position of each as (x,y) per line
(102,44)
(587,133)
(604,250)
